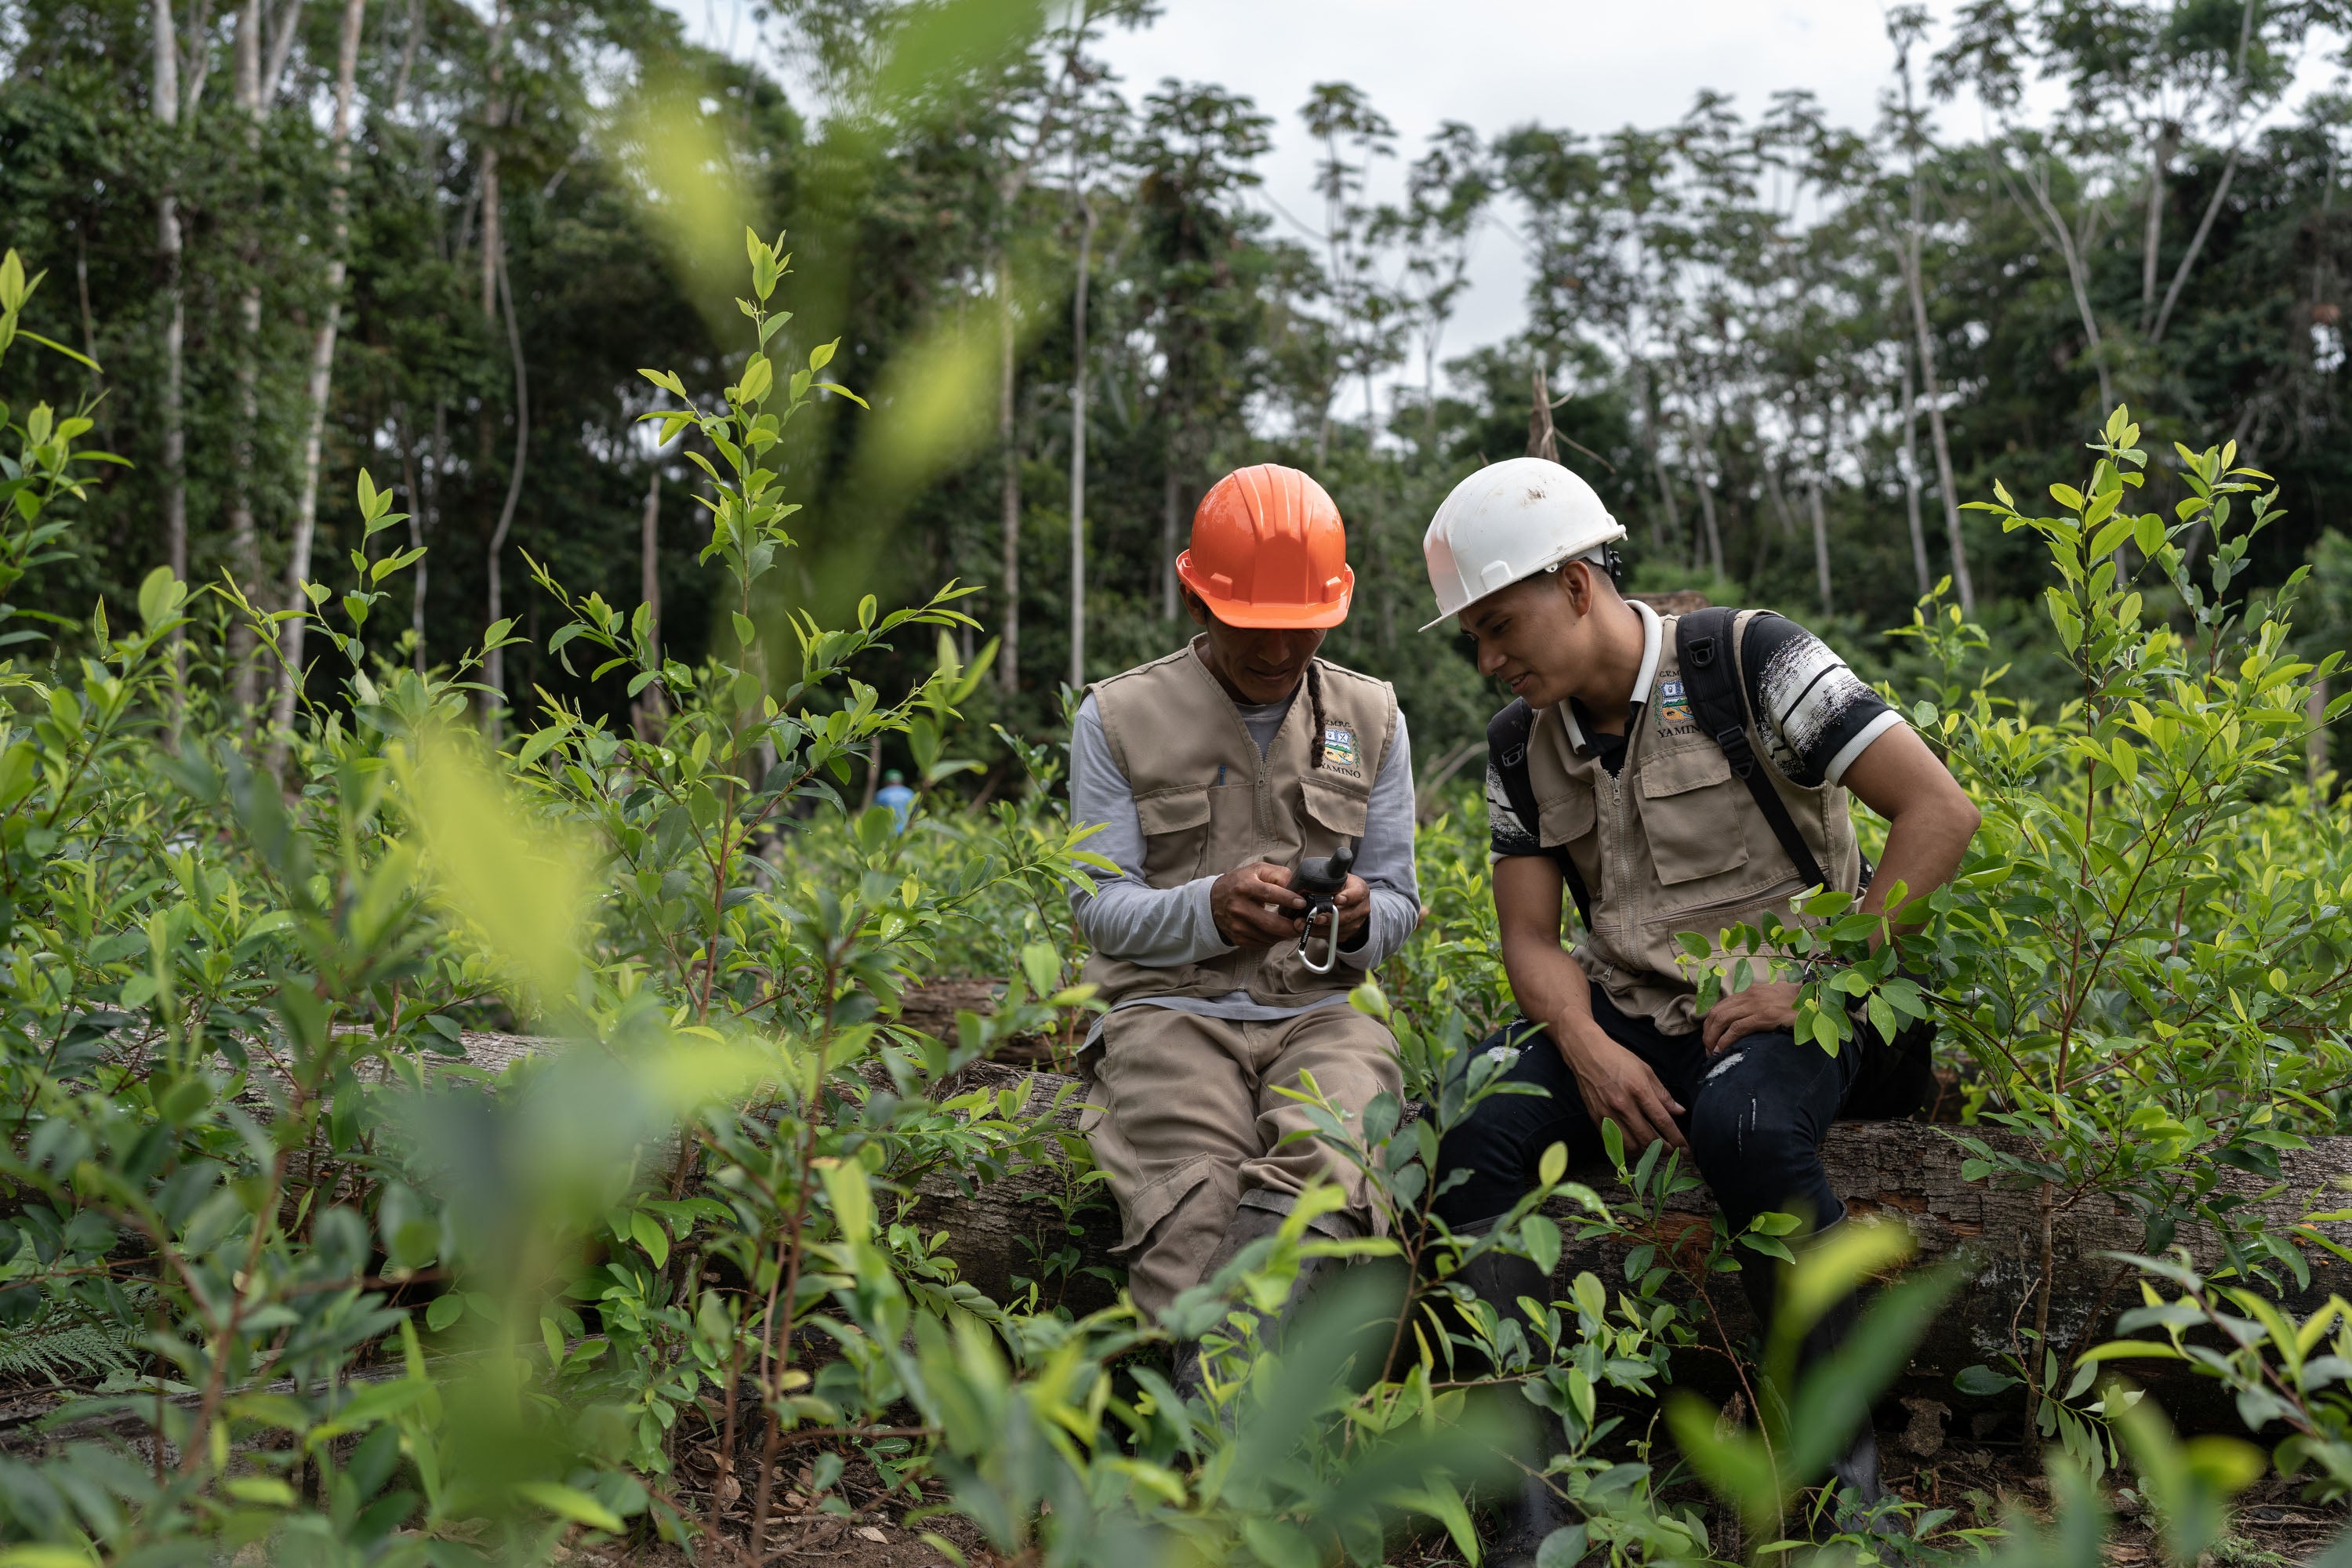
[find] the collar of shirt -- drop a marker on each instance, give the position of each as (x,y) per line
(1652,641)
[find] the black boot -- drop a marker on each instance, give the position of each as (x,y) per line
(1499,1279)
(1855,1471)
(1260,1216)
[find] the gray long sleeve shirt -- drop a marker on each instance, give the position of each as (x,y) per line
(1126,917)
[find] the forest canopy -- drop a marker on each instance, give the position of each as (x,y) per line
(438,242)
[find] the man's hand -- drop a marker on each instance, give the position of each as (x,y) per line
(1619,1086)
(1767,1006)
(1238,900)
(1354,903)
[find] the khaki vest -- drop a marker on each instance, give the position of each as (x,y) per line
(1208,803)
(1673,842)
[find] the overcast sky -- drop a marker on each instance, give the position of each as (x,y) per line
(1589,65)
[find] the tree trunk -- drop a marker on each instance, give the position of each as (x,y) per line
(1911,480)
(322,366)
(2229,173)
(1078,452)
(245,543)
(2070,249)
(408,470)
(2159,160)
(1703,483)
(437,465)
(1170,510)
(1916,288)
(495,669)
(493,240)
(1543,440)
(1008,651)
(494,666)
(1821,546)
(163,102)
(2196,244)
(1644,394)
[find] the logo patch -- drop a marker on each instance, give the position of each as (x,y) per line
(1674,706)
(1340,746)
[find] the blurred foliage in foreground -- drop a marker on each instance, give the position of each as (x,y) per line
(326,1289)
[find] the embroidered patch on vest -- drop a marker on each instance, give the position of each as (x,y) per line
(1339,747)
(1673,709)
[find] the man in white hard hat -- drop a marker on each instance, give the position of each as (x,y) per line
(1668,774)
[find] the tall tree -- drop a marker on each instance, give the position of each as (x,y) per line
(1203,269)
(1910,129)
(322,354)
(1353,134)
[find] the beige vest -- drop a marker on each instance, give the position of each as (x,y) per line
(1673,842)
(1208,803)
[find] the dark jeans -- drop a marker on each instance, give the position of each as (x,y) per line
(1755,1117)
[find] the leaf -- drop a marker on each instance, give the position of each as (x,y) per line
(159,595)
(759,375)
(572,1503)
(1541,1238)
(1563,1548)
(1983,1379)
(444,1312)
(1279,1545)
(649,1234)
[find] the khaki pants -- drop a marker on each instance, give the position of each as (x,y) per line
(1185,1119)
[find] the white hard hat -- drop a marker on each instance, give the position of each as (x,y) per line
(1509,520)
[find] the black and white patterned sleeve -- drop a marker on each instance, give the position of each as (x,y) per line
(1816,715)
(1507,835)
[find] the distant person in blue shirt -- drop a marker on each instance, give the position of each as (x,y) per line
(895,795)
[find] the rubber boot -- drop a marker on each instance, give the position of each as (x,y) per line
(1855,1471)
(1259,1215)
(1499,1279)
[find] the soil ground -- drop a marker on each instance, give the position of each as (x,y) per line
(1985,1485)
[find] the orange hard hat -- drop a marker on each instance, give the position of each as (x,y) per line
(1270,550)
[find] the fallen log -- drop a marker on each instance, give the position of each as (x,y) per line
(1907,1171)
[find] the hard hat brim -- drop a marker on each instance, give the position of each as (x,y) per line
(1537,570)
(1252,616)
(1469,605)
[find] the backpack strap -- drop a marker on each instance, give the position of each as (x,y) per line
(1507,747)
(1703,648)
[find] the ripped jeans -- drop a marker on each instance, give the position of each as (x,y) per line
(1755,1116)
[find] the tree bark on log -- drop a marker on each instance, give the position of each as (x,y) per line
(1907,1171)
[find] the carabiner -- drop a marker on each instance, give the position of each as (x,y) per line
(1330,939)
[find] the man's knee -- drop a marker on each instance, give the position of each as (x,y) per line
(1756,1145)
(1492,1148)
(1737,1124)
(1170,1247)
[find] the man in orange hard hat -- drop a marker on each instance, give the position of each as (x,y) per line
(1212,775)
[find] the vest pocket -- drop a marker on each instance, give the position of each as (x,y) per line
(1694,813)
(1340,811)
(1175,825)
(1564,819)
